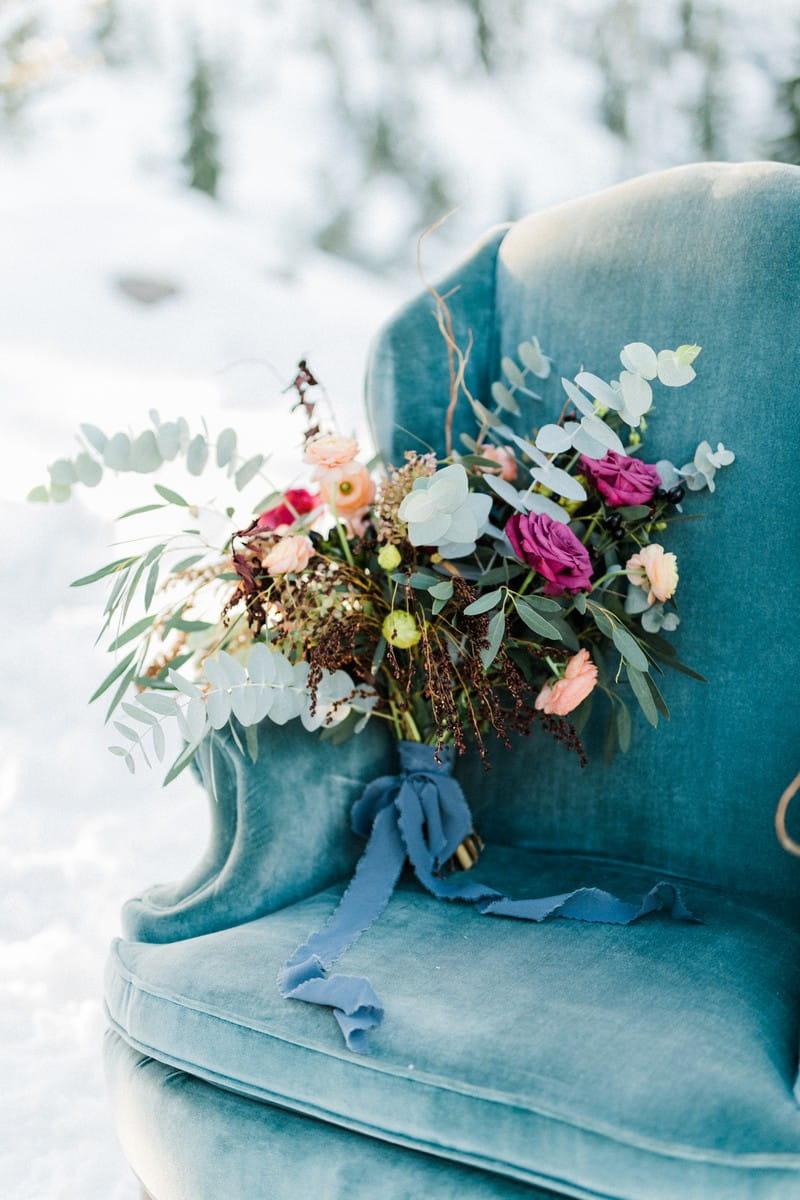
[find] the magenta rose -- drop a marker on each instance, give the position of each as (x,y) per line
(552,549)
(296,502)
(621,480)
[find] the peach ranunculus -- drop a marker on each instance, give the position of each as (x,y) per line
(654,571)
(560,696)
(505,459)
(291,553)
(331,450)
(346,489)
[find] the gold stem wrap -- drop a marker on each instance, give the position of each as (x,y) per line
(467,853)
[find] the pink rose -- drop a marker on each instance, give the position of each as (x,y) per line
(654,571)
(621,480)
(291,553)
(553,550)
(560,696)
(331,450)
(347,488)
(505,460)
(297,502)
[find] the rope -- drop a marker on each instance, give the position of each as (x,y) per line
(787,842)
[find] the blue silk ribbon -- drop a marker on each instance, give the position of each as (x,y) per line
(421,814)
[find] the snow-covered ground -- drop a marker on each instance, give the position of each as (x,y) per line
(86,201)
(80,835)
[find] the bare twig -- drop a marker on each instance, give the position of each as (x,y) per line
(457,358)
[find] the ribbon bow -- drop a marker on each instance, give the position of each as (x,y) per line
(421,815)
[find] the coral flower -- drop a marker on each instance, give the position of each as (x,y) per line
(505,460)
(347,488)
(654,571)
(291,553)
(331,450)
(560,696)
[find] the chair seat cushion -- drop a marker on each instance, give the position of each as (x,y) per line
(649,1061)
(188,1140)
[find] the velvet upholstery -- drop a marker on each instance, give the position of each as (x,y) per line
(639,1063)
(591,1058)
(707,254)
(187,1140)
(277,833)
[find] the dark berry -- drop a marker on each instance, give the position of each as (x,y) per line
(676,494)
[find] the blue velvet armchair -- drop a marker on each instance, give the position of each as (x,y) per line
(650,1062)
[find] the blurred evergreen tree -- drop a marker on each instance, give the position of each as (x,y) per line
(787,148)
(663,78)
(18,72)
(201,157)
(704,27)
(42,48)
(710,102)
(621,53)
(105,24)
(484,32)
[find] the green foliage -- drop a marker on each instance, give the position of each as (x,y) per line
(484,603)
(270,686)
(644,696)
(111,568)
(534,619)
(144,454)
(505,395)
(497,629)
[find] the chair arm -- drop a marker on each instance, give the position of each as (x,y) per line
(280,830)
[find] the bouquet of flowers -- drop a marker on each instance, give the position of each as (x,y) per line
(503,587)
(506,586)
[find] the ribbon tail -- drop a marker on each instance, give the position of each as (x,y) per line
(415,806)
(423,814)
(355,1005)
(592,904)
(353,999)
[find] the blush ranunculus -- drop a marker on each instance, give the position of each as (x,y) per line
(652,569)
(347,488)
(331,450)
(358,521)
(291,553)
(560,696)
(296,503)
(505,459)
(621,480)
(553,551)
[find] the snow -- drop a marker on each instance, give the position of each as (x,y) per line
(79,834)
(89,196)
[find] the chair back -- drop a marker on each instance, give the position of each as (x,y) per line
(707,254)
